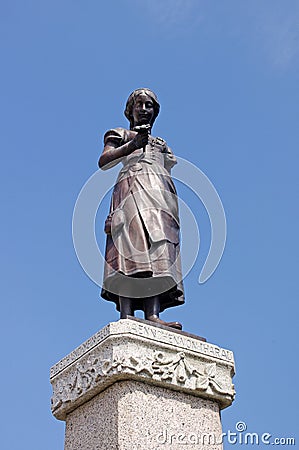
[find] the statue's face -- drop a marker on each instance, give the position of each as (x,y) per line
(143,110)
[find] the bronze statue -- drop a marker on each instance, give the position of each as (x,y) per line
(143,267)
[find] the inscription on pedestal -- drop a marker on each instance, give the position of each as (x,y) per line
(181,341)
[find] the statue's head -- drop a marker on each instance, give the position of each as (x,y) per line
(150,101)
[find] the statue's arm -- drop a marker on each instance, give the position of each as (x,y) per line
(114,150)
(112,154)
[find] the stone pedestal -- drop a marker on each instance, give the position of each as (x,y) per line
(139,386)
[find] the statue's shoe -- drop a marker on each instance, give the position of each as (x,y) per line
(176,325)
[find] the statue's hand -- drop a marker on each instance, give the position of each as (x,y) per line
(140,140)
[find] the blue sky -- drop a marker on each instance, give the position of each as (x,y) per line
(226,74)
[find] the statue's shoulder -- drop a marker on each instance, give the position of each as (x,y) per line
(118,135)
(114,133)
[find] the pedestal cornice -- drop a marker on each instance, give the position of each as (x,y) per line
(134,349)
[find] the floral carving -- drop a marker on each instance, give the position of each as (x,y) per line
(159,367)
(207,379)
(175,368)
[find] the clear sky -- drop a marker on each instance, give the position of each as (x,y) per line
(226,74)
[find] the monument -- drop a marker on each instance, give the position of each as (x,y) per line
(142,384)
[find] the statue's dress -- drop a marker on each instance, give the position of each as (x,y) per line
(143,251)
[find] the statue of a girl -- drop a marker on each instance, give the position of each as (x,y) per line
(143,267)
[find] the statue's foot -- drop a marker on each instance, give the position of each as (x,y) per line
(156,319)
(176,325)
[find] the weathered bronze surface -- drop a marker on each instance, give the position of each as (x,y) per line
(143,267)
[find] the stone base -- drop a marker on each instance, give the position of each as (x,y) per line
(131,415)
(137,385)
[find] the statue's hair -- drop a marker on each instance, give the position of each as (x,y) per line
(131,100)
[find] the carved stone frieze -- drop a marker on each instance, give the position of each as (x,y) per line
(122,357)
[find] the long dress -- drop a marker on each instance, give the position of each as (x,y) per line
(142,256)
